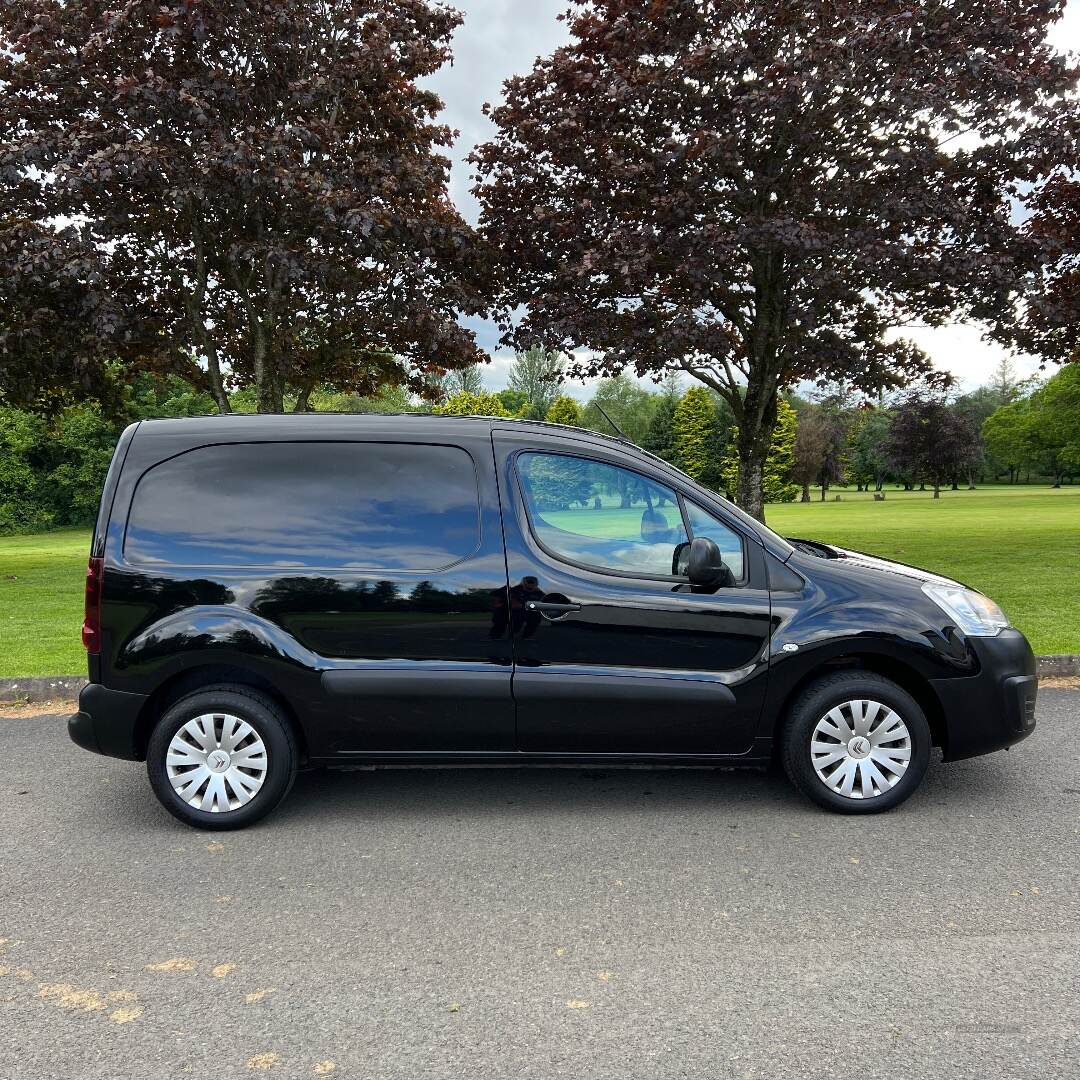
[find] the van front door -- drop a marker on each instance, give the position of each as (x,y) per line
(615,652)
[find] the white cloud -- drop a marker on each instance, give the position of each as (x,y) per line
(498,39)
(961,350)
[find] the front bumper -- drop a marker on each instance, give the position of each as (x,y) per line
(107,722)
(996,707)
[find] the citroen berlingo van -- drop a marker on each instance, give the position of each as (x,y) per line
(266,593)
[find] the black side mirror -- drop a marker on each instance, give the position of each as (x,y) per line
(680,559)
(705,565)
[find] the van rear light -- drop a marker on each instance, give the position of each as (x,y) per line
(91,627)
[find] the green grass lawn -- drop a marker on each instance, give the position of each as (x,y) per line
(1020,545)
(41,603)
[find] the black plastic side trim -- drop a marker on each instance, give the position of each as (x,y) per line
(560,685)
(759,754)
(409,682)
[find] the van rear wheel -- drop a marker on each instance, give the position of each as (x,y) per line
(856,742)
(222,758)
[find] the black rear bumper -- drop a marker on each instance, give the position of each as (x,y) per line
(107,722)
(996,708)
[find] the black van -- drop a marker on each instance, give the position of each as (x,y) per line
(266,592)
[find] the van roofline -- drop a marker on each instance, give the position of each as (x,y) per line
(210,419)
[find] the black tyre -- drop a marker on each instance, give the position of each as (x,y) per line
(222,758)
(856,743)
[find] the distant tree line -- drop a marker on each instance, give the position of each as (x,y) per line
(1012,429)
(52,467)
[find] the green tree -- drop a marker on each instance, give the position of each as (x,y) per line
(514,401)
(821,446)
(866,454)
(628,404)
(777,484)
(660,438)
(466,380)
(695,430)
(152,396)
(1055,424)
(538,374)
(387,399)
(23,486)
(52,470)
(466,404)
(1007,433)
(564,410)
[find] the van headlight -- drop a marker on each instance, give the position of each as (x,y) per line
(975,614)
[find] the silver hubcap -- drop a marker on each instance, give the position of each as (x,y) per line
(860,749)
(216,762)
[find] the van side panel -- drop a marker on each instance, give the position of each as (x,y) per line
(356,653)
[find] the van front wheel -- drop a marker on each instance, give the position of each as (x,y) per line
(222,758)
(856,743)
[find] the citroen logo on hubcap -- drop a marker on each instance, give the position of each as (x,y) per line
(859,746)
(218,761)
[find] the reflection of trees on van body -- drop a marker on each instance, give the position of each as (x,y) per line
(427,597)
(166,595)
(383,595)
(312,595)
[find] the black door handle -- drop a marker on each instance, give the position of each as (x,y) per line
(546,608)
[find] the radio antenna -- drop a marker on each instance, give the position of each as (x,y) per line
(618,430)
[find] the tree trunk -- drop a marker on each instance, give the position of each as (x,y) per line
(937,490)
(805,491)
(879,483)
(269,397)
(755,405)
(753,449)
(304,396)
(824,488)
(213,371)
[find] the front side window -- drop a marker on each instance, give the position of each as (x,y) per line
(602,516)
(364,506)
(727,540)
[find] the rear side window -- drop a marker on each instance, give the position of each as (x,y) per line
(364,506)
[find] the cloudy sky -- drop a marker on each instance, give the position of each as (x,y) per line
(500,38)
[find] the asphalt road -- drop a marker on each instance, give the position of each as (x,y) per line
(543,924)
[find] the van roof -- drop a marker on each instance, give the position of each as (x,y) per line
(376,421)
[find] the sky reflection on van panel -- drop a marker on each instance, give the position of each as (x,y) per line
(349,505)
